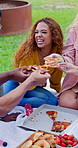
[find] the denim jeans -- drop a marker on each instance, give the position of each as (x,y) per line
(35,97)
(1,90)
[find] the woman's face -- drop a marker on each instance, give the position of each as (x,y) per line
(43,35)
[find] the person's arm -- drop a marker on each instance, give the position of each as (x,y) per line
(69,48)
(10,100)
(18,74)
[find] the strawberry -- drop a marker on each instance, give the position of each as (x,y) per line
(63,145)
(75,140)
(65,136)
(60,136)
(62,140)
(69,142)
(74,143)
(66,141)
(70,137)
(57,140)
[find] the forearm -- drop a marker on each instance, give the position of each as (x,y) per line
(19,74)
(5,77)
(76,70)
(10,100)
(73,69)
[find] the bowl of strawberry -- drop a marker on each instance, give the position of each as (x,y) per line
(66,141)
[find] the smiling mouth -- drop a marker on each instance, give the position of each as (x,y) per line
(40,41)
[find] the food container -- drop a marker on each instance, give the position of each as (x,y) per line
(37,118)
(39,136)
(67,141)
(58,146)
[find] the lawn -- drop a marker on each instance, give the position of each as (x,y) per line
(63,11)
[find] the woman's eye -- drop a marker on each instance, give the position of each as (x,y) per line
(44,32)
(36,32)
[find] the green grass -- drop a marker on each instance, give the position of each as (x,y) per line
(40,8)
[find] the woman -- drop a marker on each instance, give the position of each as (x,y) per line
(69,92)
(45,38)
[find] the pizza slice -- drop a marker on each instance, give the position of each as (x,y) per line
(52,61)
(59,126)
(43,68)
(52,114)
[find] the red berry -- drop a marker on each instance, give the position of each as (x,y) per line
(57,140)
(62,140)
(70,137)
(74,143)
(65,136)
(63,145)
(69,142)
(60,136)
(75,140)
(66,140)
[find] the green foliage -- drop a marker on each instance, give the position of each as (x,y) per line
(58,10)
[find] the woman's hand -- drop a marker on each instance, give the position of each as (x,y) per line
(54,55)
(70,68)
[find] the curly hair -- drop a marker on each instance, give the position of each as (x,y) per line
(29,44)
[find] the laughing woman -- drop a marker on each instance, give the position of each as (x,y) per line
(45,38)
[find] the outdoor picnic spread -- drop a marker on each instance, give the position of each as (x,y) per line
(37,126)
(46,126)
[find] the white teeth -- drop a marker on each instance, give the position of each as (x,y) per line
(39,40)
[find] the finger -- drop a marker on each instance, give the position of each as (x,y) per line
(24,68)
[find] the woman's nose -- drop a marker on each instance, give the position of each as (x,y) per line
(39,34)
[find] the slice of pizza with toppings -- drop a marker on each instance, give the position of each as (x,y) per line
(59,126)
(52,61)
(52,114)
(43,68)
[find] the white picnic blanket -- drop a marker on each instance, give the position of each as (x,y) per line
(11,133)
(14,135)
